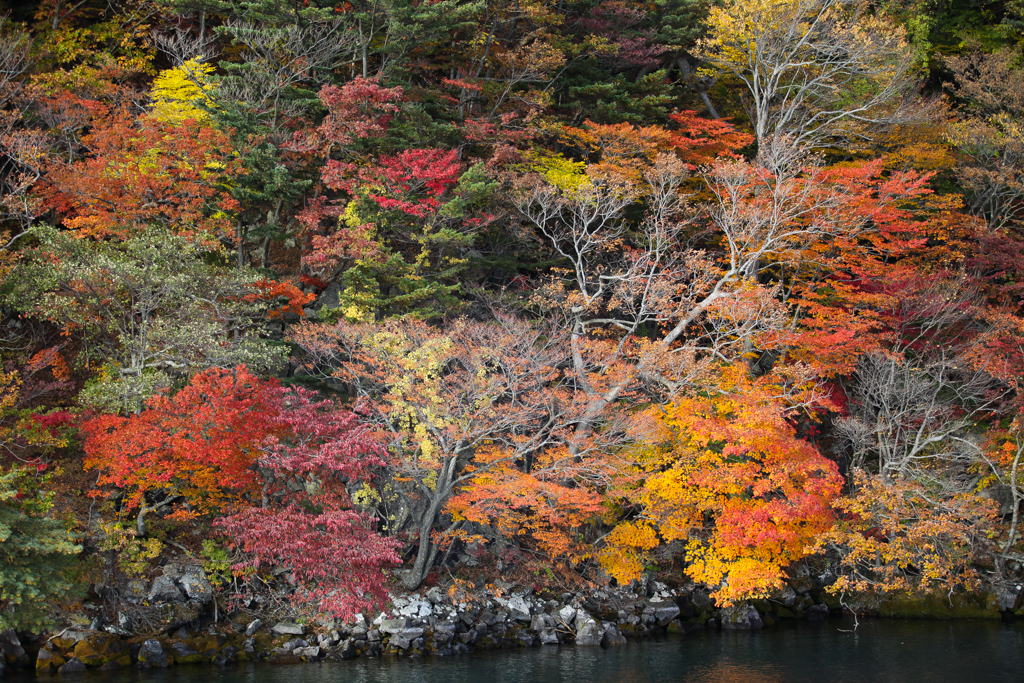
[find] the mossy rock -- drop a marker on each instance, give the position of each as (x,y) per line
(674,627)
(783,612)
(48,662)
(938,606)
(65,644)
(97,650)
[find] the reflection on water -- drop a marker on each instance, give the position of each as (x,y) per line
(879,652)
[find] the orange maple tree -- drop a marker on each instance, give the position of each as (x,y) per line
(142,171)
(728,475)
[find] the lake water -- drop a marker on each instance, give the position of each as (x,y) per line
(879,651)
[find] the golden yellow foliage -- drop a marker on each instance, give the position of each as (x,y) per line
(178,92)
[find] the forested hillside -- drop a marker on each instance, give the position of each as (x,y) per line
(336,298)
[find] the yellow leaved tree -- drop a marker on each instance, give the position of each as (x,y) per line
(178,93)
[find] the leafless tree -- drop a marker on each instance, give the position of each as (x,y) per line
(184,45)
(815,70)
(914,405)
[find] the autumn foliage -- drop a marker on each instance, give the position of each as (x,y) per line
(728,291)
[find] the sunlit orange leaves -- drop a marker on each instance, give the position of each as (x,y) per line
(729,476)
(141,172)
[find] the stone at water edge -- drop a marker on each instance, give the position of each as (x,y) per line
(309,652)
(741,617)
(152,654)
(612,636)
(548,637)
(46,662)
(183,654)
(664,612)
(253,626)
(295,643)
(589,633)
(72,666)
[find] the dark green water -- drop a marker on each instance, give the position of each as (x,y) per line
(879,652)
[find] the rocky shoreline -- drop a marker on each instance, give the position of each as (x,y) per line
(435,622)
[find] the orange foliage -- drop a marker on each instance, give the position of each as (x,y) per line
(729,476)
(898,536)
(142,172)
(541,508)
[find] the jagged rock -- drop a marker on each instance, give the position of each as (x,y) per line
(538,623)
(311,652)
(741,617)
(329,298)
(588,633)
(1009,599)
(173,570)
(285,628)
(393,625)
(612,636)
(664,612)
(412,633)
(786,597)
(197,587)
(398,642)
(111,666)
(228,654)
(518,608)
(567,614)
(702,601)
(164,590)
(48,662)
(14,654)
(548,637)
(72,666)
(417,609)
(253,626)
(436,596)
(152,655)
